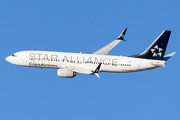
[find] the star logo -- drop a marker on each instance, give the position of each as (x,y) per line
(157,51)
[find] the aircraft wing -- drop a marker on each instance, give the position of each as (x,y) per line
(85,69)
(105,50)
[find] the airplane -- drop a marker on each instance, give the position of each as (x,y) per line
(69,65)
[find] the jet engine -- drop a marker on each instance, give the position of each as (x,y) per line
(66,73)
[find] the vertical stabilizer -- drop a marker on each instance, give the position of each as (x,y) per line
(157,49)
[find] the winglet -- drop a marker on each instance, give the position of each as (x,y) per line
(97,70)
(97,75)
(121,36)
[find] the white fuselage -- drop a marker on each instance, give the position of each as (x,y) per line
(61,60)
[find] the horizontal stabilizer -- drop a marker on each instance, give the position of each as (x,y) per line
(159,63)
(166,57)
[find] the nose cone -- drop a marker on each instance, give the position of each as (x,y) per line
(8,59)
(11,60)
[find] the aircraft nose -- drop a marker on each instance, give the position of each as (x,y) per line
(8,59)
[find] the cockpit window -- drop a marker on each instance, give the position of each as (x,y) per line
(14,55)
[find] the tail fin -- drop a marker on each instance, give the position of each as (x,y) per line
(157,49)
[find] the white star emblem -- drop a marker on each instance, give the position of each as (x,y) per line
(157,51)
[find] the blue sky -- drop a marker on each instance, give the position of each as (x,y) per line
(86,26)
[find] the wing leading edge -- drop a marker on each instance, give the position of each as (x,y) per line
(105,50)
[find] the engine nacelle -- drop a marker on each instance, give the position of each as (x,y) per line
(66,73)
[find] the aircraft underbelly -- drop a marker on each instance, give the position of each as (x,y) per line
(118,69)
